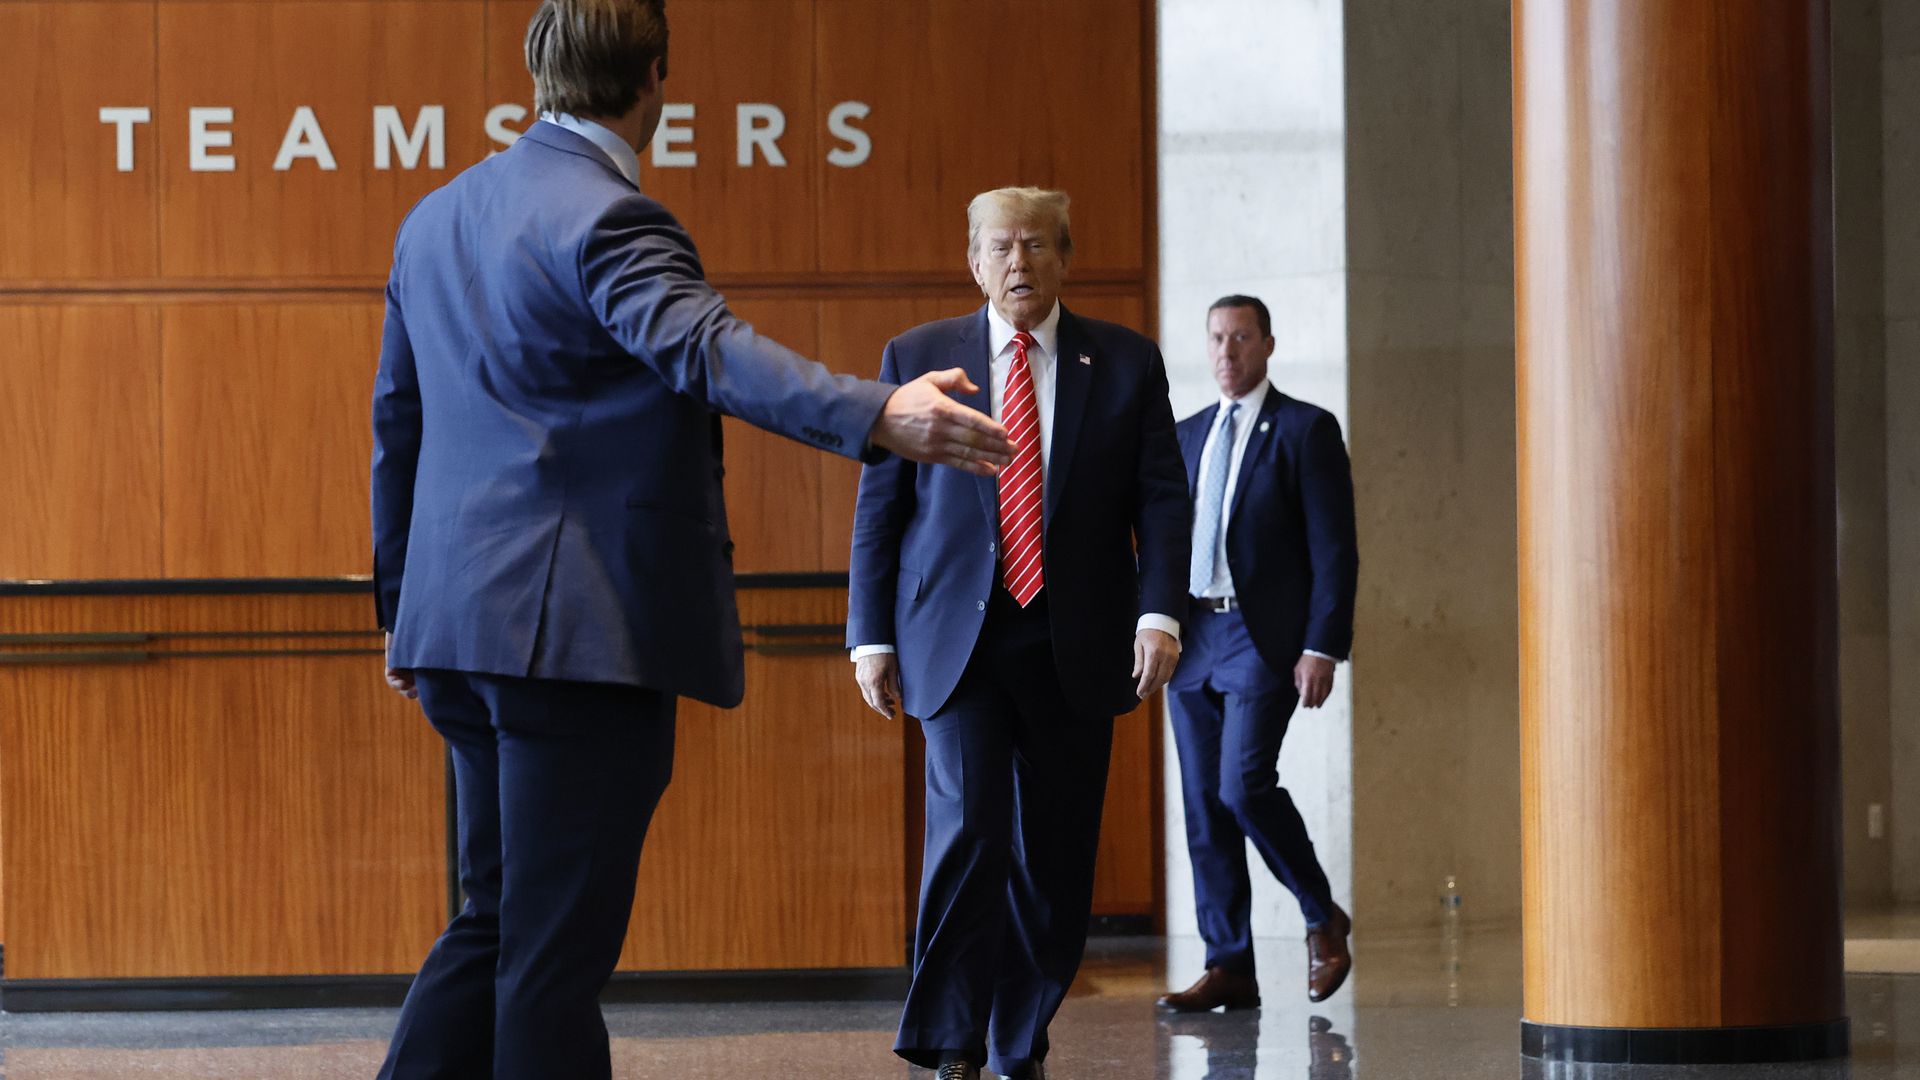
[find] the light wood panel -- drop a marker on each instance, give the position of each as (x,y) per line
(780,843)
(973,96)
(80,435)
(1676,515)
(340,59)
(268,444)
(773,483)
(70,213)
(268,816)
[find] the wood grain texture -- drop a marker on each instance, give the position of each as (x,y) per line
(781,842)
(80,433)
(1676,517)
(341,59)
(774,506)
(268,445)
(70,213)
(272,816)
(961,105)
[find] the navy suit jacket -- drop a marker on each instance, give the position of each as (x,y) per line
(924,561)
(1291,543)
(547,464)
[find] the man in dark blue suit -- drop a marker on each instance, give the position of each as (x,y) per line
(550,541)
(1013,617)
(1272,576)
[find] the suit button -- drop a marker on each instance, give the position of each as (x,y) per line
(720,472)
(989,549)
(980,606)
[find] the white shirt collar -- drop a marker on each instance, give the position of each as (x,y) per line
(1249,405)
(613,146)
(1000,331)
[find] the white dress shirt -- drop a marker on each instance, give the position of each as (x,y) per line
(1244,424)
(619,154)
(1043,367)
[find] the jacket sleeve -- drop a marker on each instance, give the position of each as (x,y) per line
(1163,514)
(1333,546)
(884,506)
(643,280)
(396,458)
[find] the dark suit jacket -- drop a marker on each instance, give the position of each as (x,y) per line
(1291,542)
(547,467)
(924,562)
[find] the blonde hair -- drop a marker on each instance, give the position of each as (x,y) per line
(1021,205)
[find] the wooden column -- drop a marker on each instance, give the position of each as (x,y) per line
(1678,676)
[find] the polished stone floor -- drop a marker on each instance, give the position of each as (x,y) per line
(1414,1009)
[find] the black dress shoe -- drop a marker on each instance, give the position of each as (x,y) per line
(958,1070)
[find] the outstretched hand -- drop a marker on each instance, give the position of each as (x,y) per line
(921,423)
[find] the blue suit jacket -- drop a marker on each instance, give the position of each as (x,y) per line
(1291,542)
(924,562)
(547,464)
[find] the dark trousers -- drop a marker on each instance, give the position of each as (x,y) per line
(1230,713)
(1015,784)
(555,783)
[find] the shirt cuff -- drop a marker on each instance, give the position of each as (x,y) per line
(870,650)
(1323,656)
(1166,624)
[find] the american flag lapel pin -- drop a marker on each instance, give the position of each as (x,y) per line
(1085,359)
(1264,426)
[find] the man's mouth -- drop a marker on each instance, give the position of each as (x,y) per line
(1021,290)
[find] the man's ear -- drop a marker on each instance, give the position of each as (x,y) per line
(656,74)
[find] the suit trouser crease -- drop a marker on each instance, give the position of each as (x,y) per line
(1015,785)
(1230,714)
(555,785)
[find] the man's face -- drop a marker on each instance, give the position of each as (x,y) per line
(1020,269)
(1238,350)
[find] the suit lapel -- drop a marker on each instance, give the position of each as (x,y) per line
(1257,440)
(970,352)
(1072,380)
(1193,443)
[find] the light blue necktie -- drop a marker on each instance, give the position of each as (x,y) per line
(1206,512)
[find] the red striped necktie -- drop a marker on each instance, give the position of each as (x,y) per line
(1020,482)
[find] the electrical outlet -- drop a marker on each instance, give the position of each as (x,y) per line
(1876,821)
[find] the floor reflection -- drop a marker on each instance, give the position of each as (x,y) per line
(1226,1046)
(1413,1010)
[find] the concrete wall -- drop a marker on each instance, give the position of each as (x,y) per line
(1861,444)
(1900,119)
(1436,752)
(1253,201)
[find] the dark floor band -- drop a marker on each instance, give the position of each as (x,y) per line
(1685,1046)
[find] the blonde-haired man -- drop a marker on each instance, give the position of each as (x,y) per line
(1012,617)
(550,535)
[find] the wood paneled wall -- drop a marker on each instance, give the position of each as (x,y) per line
(188,354)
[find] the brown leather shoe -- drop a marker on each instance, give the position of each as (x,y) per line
(1328,959)
(1216,988)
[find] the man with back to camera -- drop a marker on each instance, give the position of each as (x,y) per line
(1012,617)
(1274,567)
(550,541)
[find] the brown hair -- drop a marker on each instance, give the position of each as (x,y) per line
(590,57)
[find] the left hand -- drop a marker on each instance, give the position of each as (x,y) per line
(1313,678)
(1155,652)
(399,678)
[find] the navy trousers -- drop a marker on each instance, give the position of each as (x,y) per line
(1230,713)
(555,783)
(1015,784)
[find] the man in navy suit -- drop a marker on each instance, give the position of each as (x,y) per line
(550,542)
(1271,587)
(1013,618)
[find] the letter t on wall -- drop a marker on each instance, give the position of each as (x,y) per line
(123,120)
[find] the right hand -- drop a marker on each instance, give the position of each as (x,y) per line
(400,679)
(921,423)
(879,678)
